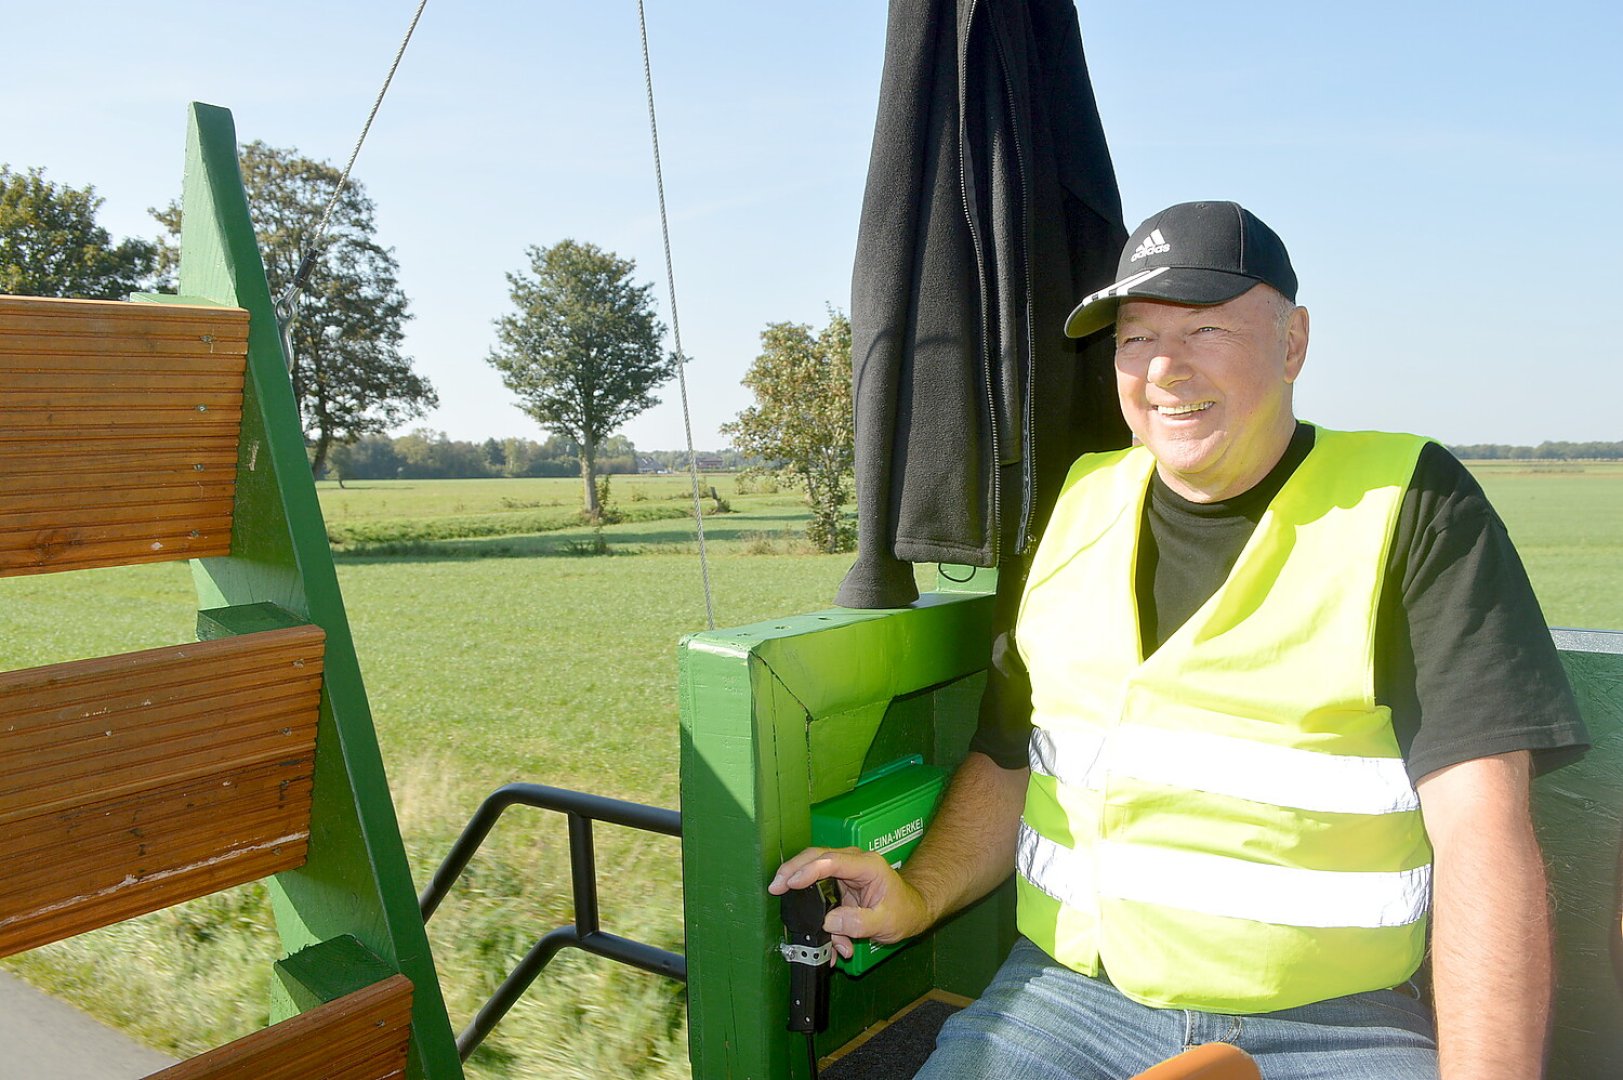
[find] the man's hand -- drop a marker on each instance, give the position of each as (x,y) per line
(966,852)
(1491,940)
(875,902)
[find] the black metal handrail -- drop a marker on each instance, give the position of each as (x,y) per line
(581,809)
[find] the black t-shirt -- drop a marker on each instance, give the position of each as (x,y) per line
(1463,656)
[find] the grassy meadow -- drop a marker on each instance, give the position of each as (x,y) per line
(502,641)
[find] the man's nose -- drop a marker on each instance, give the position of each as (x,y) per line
(1168,366)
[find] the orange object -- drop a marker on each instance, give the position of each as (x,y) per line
(1211,1061)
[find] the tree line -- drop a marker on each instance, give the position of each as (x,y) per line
(426,454)
(1544,451)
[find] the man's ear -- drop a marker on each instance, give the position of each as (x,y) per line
(1296,334)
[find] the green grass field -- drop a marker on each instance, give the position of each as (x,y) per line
(492,655)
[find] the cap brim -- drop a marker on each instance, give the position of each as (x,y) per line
(1196,286)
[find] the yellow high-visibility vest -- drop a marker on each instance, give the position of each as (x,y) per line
(1226,825)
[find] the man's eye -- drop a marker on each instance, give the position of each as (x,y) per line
(1213,329)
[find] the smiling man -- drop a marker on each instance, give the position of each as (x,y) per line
(1263,729)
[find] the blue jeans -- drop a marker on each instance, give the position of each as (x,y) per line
(1040,1020)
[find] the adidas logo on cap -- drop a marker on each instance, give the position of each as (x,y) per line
(1154,244)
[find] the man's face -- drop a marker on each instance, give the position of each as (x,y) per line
(1208,389)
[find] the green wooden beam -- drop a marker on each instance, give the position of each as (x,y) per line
(322,973)
(356,881)
(1579,813)
(778,715)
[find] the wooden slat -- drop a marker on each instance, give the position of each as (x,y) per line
(54,354)
(57,399)
(129,835)
(59,550)
(133,782)
(119,505)
(16,381)
(105,440)
(361,1036)
(91,830)
(152,453)
(32,316)
(137,473)
(105,408)
(111,419)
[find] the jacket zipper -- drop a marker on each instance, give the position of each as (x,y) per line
(980,268)
(1028,445)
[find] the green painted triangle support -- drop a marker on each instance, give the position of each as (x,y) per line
(356,882)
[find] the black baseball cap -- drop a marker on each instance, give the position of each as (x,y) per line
(1195,253)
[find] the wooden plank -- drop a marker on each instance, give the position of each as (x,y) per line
(116,839)
(87,389)
(17,535)
(153,454)
(30,316)
(361,1036)
(130,439)
(58,555)
(169,659)
(55,400)
(138,473)
(212,490)
(90,360)
(35,726)
(140,897)
(113,318)
(68,778)
(133,782)
(16,380)
(84,831)
(113,418)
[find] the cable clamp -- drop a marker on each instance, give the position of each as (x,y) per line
(805,954)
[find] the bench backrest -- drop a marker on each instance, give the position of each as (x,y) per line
(118,432)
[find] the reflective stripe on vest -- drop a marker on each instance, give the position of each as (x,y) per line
(1228,824)
(1280,775)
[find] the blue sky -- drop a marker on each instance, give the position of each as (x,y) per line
(1446,175)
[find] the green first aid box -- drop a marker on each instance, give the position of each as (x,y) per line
(886,812)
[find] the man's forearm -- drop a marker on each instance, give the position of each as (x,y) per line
(969,848)
(1491,937)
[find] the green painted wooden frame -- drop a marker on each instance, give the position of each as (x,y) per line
(1579,814)
(355,891)
(777,716)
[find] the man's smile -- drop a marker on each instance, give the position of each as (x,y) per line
(1183,410)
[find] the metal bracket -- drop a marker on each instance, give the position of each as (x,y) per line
(805,954)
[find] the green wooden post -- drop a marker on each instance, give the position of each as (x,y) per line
(1579,813)
(356,882)
(777,716)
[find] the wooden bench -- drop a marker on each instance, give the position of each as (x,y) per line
(166,429)
(134,782)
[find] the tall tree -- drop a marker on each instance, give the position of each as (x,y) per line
(50,244)
(582,349)
(801,420)
(349,375)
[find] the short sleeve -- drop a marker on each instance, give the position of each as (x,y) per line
(1465,659)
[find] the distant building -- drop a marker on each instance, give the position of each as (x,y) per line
(709,462)
(648,466)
